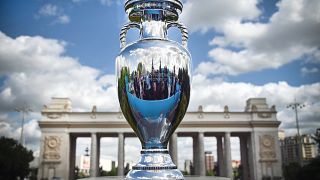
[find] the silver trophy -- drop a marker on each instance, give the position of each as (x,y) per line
(153,77)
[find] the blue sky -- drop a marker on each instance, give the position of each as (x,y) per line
(92,35)
(240,49)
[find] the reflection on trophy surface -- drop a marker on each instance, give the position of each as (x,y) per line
(153,76)
(155,98)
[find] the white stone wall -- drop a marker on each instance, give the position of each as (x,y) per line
(258,120)
(54,156)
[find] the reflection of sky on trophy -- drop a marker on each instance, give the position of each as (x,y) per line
(166,55)
(153,28)
(120,61)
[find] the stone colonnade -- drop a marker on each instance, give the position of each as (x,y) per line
(223,152)
(256,127)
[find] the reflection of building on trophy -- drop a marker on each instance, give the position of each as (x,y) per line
(155,85)
(154,101)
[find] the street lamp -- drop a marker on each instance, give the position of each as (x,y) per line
(24,110)
(295,107)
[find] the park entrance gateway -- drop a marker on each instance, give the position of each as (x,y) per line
(256,127)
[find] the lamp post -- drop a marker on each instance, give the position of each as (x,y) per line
(295,107)
(24,111)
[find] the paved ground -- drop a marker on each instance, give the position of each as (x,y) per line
(186,178)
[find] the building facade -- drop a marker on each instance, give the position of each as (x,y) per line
(209,160)
(187,166)
(290,152)
(83,164)
(256,127)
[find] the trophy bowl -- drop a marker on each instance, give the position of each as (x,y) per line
(153,79)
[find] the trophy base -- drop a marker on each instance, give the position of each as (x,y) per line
(155,164)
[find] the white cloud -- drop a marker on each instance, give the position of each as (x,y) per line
(63,19)
(103,2)
(36,70)
(31,133)
(290,34)
(305,71)
(6,130)
(207,14)
(48,10)
(132,150)
(82,143)
(106,2)
(55,12)
(110,2)
(213,95)
(109,148)
(184,151)
(78,1)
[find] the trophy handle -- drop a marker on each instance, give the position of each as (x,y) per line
(124,31)
(184,32)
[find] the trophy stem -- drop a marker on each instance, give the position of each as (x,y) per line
(155,164)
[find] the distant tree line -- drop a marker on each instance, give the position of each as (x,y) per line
(311,171)
(14,159)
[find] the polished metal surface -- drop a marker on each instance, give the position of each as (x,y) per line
(155,164)
(136,9)
(154,88)
(186,178)
(153,77)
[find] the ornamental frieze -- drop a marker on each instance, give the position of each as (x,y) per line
(52,148)
(53,116)
(264,115)
(267,148)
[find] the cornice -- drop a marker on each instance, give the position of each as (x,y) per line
(186,124)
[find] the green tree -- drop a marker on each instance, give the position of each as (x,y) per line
(210,173)
(113,172)
(140,67)
(290,171)
(310,171)
(14,159)
(185,173)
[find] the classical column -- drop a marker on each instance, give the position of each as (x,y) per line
(227,156)
(120,154)
(195,162)
(173,148)
(201,155)
(98,156)
(220,155)
(244,157)
(93,156)
(72,156)
(253,157)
